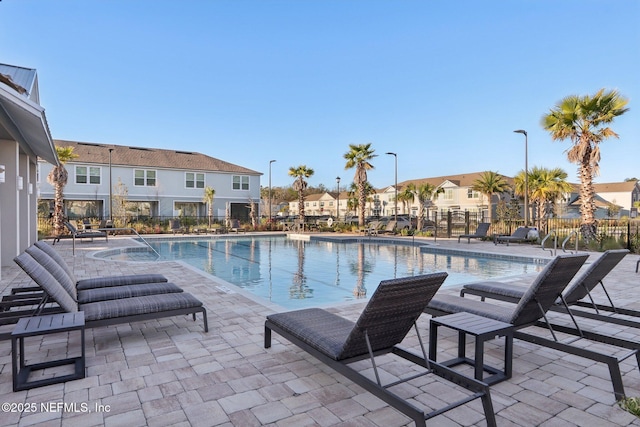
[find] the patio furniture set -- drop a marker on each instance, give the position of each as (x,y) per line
(60,303)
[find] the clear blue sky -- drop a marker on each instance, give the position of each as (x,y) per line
(441,83)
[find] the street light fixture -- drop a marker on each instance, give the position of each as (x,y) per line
(269,221)
(526,176)
(395,206)
(110,187)
(338,198)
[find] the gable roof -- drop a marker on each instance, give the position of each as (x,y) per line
(461,180)
(21,79)
(616,187)
(22,119)
(92,153)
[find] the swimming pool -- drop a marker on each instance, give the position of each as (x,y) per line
(318,272)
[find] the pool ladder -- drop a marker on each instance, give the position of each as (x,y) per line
(554,250)
(106,230)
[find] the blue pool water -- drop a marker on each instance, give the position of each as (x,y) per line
(304,273)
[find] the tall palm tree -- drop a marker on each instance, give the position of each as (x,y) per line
(488,184)
(583,120)
(359,156)
(58,178)
(300,173)
(209,194)
(424,193)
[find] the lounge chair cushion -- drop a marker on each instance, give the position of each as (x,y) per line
(47,281)
(99,282)
(118,292)
(319,328)
(49,250)
(138,306)
(133,279)
(54,268)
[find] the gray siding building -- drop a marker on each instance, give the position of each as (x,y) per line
(149,182)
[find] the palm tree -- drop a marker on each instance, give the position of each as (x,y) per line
(545,187)
(58,178)
(424,193)
(300,173)
(584,120)
(358,156)
(209,194)
(407,196)
(488,184)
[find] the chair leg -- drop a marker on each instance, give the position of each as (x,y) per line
(267,337)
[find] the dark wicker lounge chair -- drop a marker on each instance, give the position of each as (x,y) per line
(117,311)
(481,231)
(520,235)
(573,296)
(81,234)
(533,306)
(390,314)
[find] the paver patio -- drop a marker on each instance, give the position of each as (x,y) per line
(170,372)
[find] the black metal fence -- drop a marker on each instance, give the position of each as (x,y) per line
(611,233)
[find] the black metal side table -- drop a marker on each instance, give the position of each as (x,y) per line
(483,329)
(44,325)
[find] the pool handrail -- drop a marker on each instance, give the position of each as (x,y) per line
(555,242)
(107,229)
(566,240)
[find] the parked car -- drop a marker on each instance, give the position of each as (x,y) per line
(403,222)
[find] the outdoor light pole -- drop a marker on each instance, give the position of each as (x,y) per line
(269,221)
(110,187)
(526,176)
(395,202)
(338,205)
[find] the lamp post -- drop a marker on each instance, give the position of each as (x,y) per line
(395,202)
(338,199)
(269,221)
(110,187)
(526,176)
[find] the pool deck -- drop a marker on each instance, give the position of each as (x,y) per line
(170,372)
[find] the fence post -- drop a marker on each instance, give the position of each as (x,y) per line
(466,222)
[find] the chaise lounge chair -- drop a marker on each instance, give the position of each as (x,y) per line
(236,227)
(392,311)
(390,228)
(112,312)
(371,229)
(520,235)
(99,282)
(83,296)
(86,290)
(574,294)
(533,306)
(83,234)
(481,231)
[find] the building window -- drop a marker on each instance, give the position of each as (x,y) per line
(188,209)
(144,178)
(194,180)
(240,182)
(448,194)
(472,194)
(87,175)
